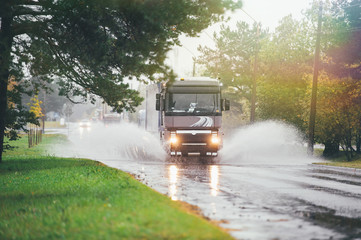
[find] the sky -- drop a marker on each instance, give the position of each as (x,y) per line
(268,12)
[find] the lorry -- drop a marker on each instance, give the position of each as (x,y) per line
(187,115)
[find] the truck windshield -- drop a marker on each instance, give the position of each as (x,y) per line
(193,104)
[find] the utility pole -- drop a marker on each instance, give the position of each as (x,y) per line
(254,82)
(311,126)
(44,112)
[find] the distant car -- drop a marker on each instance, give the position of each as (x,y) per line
(85,123)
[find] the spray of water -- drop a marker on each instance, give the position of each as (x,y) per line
(115,142)
(266,142)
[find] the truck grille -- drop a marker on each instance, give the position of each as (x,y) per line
(191,137)
(194,144)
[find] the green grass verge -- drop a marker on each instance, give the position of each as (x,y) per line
(46,197)
(21,146)
(351,164)
(340,160)
(54,124)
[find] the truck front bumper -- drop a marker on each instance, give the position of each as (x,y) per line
(203,142)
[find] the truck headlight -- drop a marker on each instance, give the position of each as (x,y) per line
(173,138)
(215,139)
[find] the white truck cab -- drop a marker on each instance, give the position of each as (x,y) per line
(190,116)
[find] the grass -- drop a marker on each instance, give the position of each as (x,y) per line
(340,160)
(22,150)
(351,164)
(54,124)
(45,197)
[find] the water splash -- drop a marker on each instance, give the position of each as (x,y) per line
(260,143)
(123,141)
(265,142)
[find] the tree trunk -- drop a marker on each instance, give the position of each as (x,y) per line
(331,149)
(3,106)
(6,39)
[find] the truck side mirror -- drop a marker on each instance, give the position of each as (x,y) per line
(157,101)
(227,105)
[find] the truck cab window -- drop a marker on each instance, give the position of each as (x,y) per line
(192,103)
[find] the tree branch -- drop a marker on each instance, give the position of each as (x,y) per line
(28,2)
(21,10)
(28,27)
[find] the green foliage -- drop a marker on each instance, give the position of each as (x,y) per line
(338,113)
(285,70)
(345,30)
(232,60)
(285,60)
(90,47)
(340,39)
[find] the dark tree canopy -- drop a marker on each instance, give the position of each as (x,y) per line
(346,53)
(90,46)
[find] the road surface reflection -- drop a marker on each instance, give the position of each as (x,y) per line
(173,177)
(203,173)
(214,172)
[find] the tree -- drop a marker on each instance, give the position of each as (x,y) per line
(233,58)
(92,45)
(338,114)
(338,108)
(344,28)
(17,114)
(35,107)
(286,58)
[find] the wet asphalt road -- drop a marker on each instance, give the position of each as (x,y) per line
(253,199)
(261,202)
